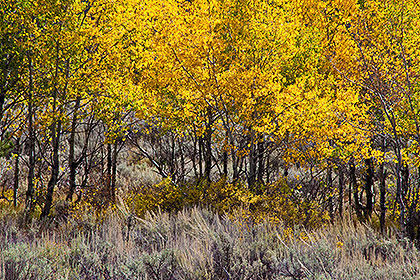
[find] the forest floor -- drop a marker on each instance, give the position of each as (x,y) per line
(196,243)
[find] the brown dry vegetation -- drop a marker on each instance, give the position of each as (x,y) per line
(196,243)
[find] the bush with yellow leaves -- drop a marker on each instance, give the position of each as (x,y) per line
(278,202)
(95,202)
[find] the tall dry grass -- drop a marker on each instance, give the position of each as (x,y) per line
(196,243)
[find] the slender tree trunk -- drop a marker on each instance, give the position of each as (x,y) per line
(340,192)
(16,172)
(72,161)
(2,100)
(330,189)
(400,197)
(109,167)
(369,188)
(285,165)
(200,156)
(230,141)
(55,138)
(225,158)
(235,163)
(31,144)
(252,160)
(382,175)
(172,165)
(241,161)
(225,164)
(261,167)
(405,179)
(194,155)
(114,171)
(350,194)
(56,131)
(417,195)
(208,150)
(181,175)
(382,190)
(267,168)
(355,194)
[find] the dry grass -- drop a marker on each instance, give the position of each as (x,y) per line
(198,244)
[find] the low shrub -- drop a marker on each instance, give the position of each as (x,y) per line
(198,243)
(279,202)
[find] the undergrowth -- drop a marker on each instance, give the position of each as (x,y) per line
(197,243)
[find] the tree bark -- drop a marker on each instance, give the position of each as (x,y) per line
(340,192)
(382,175)
(2,100)
(31,144)
(56,131)
(73,164)
(252,160)
(200,157)
(114,171)
(405,179)
(194,155)
(109,167)
(369,188)
(208,150)
(16,172)
(261,166)
(181,175)
(330,190)
(225,157)
(235,162)
(357,206)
